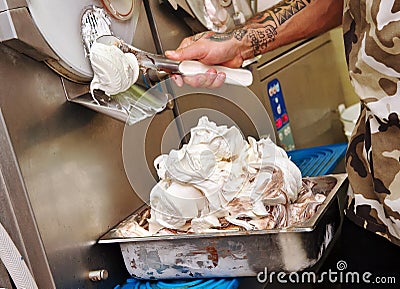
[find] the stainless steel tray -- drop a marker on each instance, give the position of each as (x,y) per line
(235,254)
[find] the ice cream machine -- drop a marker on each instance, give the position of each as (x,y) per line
(62,174)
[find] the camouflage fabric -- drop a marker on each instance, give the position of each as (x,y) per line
(372,43)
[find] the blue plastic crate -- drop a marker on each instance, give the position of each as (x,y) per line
(318,161)
(220,283)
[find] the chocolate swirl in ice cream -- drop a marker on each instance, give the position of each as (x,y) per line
(220,181)
(219,175)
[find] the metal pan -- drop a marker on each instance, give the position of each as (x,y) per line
(235,254)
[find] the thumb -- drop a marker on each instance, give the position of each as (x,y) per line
(233,63)
(184,53)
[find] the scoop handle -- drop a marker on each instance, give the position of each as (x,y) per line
(237,76)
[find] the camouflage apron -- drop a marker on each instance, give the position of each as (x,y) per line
(372,43)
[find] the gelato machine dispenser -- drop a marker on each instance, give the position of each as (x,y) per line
(63,181)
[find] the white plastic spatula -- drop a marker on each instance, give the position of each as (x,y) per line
(233,75)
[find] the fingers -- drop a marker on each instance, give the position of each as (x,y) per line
(188,49)
(177,53)
(173,54)
(219,80)
(233,63)
(214,79)
(210,79)
(198,80)
(184,53)
(185,42)
(177,79)
(210,76)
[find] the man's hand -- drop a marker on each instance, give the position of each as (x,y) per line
(209,48)
(210,79)
(284,23)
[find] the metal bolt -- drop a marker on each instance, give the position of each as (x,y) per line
(98,275)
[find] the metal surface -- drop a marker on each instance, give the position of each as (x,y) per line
(65,185)
(18,31)
(227,105)
(234,254)
(145,59)
(129,107)
(5,281)
(16,213)
(142,41)
(153,27)
(28,28)
(170,30)
(11,4)
(121,10)
(63,23)
(311,85)
(71,166)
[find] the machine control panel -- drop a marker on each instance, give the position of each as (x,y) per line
(281,118)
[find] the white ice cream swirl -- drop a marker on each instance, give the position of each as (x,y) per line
(114,71)
(199,182)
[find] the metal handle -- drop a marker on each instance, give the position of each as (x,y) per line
(160,63)
(145,59)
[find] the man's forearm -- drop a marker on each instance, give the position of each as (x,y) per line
(286,22)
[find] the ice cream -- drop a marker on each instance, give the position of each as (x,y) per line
(219,176)
(216,17)
(114,71)
(223,16)
(219,181)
